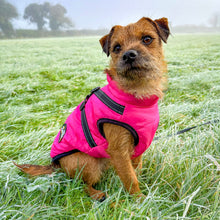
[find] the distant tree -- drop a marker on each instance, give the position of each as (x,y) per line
(41,14)
(7,13)
(215,20)
(57,18)
(37,13)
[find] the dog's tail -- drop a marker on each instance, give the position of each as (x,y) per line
(36,170)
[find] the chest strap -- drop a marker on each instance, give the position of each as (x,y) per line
(103,97)
(109,102)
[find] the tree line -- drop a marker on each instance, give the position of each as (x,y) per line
(42,15)
(54,17)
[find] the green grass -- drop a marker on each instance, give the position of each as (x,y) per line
(42,80)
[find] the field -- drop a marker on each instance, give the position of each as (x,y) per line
(42,80)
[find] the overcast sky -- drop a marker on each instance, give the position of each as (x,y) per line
(95,14)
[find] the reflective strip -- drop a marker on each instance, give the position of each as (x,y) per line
(109,102)
(56,158)
(86,130)
(102,121)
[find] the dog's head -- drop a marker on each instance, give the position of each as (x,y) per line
(137,61)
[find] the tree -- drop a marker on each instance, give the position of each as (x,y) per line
(7,13)
(57,18)
(37,13)
(215,20)
(41,14)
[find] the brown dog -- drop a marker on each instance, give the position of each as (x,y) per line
(137,66)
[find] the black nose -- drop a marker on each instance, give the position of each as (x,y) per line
(130,56)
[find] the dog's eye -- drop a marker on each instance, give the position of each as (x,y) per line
(117,48)
(147,40)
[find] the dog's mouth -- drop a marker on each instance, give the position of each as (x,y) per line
(131,71)
(141,77)
(138,70)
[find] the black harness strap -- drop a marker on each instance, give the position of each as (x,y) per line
(82,106)
(86,130)
(56,158)
(101,122)
(108,102)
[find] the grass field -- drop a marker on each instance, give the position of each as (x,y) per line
(42,80)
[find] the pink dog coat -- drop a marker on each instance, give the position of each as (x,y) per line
(83,129)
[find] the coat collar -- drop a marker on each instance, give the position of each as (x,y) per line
(129,98)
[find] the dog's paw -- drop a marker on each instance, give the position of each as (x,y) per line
(97,195)
(103,198)
(140,197)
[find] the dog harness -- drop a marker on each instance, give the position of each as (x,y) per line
(83,129)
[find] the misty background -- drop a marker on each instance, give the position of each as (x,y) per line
(98,16)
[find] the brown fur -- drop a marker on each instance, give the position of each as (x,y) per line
(35,170)
(142,78)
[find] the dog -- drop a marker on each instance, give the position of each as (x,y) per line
(115,124)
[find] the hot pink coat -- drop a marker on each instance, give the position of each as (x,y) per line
(139,116)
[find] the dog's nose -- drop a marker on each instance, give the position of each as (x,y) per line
(130,56)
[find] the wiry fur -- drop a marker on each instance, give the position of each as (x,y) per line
(142,78)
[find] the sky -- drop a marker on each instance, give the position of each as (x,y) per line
(96,14)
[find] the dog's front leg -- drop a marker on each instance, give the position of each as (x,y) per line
(137,164)
(120,149)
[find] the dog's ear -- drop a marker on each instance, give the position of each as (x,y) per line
(106,41)
(162,28)
(105,44)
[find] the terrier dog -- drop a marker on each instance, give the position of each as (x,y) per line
(115,124)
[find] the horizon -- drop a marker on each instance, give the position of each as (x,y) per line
(93,15)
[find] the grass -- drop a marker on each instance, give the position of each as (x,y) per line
(42,80)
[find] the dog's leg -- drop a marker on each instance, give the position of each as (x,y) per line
(120,149)
(90,169)
(137,162)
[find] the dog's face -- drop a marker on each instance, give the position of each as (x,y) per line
(136,52)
